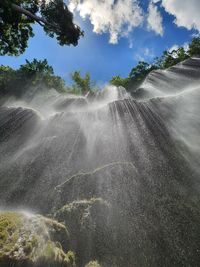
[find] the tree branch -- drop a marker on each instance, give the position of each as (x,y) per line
(27,13)
(36,18)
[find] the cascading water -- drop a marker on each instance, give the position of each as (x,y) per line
(120,171)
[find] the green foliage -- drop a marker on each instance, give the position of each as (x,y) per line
(39,74)
(15,28)
(139,72)
(7,74)
(28,241)
(194,47)
(35,73)
(118,81)
(9,223)
(136,76)
(181,54)
(60,23)
(36,67)
(93,264)
(18,16)
(171,58)
(82,85)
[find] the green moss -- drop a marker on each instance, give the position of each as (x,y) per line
(53,253)
(81,208)
(9,231)
(31,240)
(93,264)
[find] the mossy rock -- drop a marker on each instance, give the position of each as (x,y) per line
(93,264)
(28,240)
(88,223)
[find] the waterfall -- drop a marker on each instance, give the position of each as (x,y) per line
(120,171)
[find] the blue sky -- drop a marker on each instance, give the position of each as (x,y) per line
(96,55)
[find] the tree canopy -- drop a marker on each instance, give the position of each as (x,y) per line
(39,74)
(18,16)
(81,85)
(119,81)
(194,47)
(136,76)
(31,74)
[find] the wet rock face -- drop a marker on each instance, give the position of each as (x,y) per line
(89,227)
(78,103)
(30,240)
(17,122)
(169,82)
(122,173)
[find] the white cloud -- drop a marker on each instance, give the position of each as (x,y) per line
(196,35)
(138,57)
(155,1)
(119,18)
(130,43)
(149,53)
(144,54)
(154,19)
(186,12)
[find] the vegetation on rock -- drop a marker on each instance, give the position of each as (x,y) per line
(87,222)
(39,74)
(31,74)
(93,264)
(32,240)
(194,47)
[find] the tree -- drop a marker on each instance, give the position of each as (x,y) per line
(36,69)
(118,81)
(140,71)
(171,58)
(31,74)
(194,47)
(39,72)
(168,59)
(82,85)
(18,16)
(135,78)
(6,75)
(182,54)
